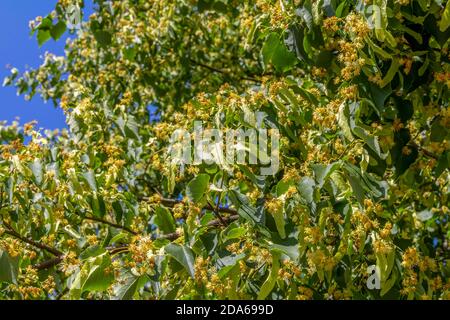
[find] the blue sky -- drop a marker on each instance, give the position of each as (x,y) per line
(18,49)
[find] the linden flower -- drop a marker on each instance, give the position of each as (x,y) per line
(28,127)
(397,124)
(406,150)
(382,246)
(356,25)
(410,258)
(403,2)
(350,92)
(305,293)
(313,235)
(178,211)
(92,239)
(274,206)
(319,72)
(332,24)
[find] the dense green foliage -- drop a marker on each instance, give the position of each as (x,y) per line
(359,93)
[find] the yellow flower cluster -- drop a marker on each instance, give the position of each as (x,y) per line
(319,260)
(332,24)
(348,56)
(313,235)
(274,206)
(443,77)
(304,293)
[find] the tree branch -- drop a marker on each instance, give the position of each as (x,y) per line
(9,230)
(175,235)
(217,214)
(200,64)
(425,151)
(112,224)
(48,264)
(113,250)
(213,223)
(172,202)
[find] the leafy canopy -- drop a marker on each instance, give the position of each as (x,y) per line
(361,100)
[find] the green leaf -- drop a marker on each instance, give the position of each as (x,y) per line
(322,172)
(271,280)
(280,223)
(236,233)
(98,205)
(132,129)
(43,36)
(92,251)
(9,268)
(183,255)
(197,187)
(127,287)
(99,279)
(390,73)
(227,263)
(36,168)
(306,189)
(294,42)
(274,51)
(46,23)
(289,246)
(282,187)
(245,209)
(103,37)
(343,121)
(383,54)
(388,284)
(363,184)
(58,30)
(90,179)
(445,20)
(129,53)
(164,220)
(370,140)
(341,9)
(118,237)
(379,96)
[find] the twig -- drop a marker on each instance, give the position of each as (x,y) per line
(217,214)
(213,69)
(425,151)
(62,293)
(9,230)
(48,264)
(115,225)
(122,249)
(173,202)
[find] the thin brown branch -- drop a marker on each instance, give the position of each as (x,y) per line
(176,235)
(9,230)
(217,213)
(424,151)
(216,70)
(115,250)
(213,223)
(62,293)
(112,224)
(48,263)
(55,261)
(172,202)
